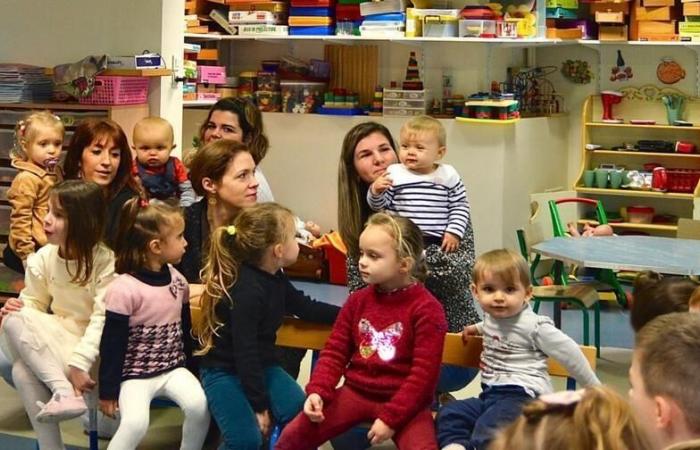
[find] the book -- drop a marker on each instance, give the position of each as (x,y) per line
(202,29)
(221,19)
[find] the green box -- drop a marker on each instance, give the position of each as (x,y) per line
(569,4)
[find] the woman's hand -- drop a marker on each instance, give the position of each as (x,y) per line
(469,331)
(313,408)
(381,184)
(379,432)
(11,305)
(80,380)
(109,408)
(263,422)
(450,242)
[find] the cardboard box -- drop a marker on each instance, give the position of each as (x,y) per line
(656,27)
(609,17)
(612,32)
(691,9)
(208,54)
(623,7)
(211,74)
(564,33)
(657,13)
(648,3)
(659,37)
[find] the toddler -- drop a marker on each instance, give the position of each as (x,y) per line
(588,230)
(38,143)
(387,344)
(149,303)
(163,176)
(595,418)
(245,298)
(517,343)
(655,295)
(52,331)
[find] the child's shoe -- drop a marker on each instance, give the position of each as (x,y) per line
(60,408)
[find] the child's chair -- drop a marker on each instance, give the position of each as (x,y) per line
(606,277)
(580,294)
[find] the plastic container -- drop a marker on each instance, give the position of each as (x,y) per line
(440,26)
(477,28)
(268,81)
(247,82)
(682,180)
(312,31)
(116,90)
(407,94)
(302,96)
(402,112)
(640,214)
(404,103)
(268,101)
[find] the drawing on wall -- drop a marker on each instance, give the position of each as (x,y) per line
(621,71)
(669,71)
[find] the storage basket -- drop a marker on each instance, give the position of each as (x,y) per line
(682,180)
(116,90)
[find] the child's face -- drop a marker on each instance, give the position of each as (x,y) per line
(153,145)
(420,150)
(44,148)
(56,223)
(498,298)
(290,246)
(379,263)
(173,243)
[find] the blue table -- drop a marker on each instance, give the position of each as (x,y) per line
(638,253)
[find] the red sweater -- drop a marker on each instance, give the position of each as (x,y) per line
(389,348)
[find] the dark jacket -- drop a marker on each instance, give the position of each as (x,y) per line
(197,237)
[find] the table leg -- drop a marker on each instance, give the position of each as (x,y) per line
(556,307)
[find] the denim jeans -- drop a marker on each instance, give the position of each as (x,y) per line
(453,378)
(232,411)
(473,422)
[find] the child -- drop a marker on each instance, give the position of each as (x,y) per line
(655,295)
(432,195)
(664,392)
(38,143)
(596,418)
(588,230)
(149,303)
(387,343)
(52,331)
(517,343)
(246,295)
(163,176)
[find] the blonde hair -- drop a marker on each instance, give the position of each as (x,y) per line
(425,124)
(600,420)
(253,231)
(155,122)
(27,129)
(504,264)
(668,351)
(140,222)
(408,241)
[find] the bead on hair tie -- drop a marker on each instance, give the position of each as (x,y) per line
(231,230)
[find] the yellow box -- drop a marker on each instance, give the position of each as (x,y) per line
(609,17)
(612,32)
(623,7)
(648,3)
(656,27)
(657,13)
(691,9)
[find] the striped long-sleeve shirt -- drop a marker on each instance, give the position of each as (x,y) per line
(435,202)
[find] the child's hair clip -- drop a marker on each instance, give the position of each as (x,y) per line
(143,202)
(563,398)
(231,230)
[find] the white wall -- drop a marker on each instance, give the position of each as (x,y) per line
(51,32)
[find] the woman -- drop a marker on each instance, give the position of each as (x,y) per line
(223,173)
(99,151)
(368,149)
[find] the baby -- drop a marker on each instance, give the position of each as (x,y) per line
(163,176)
(588,230)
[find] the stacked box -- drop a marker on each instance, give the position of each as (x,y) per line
(399,102)
(384,18)
(561,14)
(312,17)
(611,19)
(653,20)
(687,30)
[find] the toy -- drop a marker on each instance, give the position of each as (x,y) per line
(413,81)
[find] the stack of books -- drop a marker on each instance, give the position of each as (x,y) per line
(21,83)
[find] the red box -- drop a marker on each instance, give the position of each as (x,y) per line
(337,269)
(211,74)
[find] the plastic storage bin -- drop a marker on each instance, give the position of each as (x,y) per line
(440,26)
(477,28)
(302,96)
(402,112)
(116,90)
(682,180)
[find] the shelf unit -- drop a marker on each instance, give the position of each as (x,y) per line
(643,103)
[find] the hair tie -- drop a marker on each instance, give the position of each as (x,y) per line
(143,202)
(563,398)
(22,127)
(231,230)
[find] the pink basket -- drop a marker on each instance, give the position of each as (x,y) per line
(116,90)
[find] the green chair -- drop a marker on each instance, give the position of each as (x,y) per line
(581,295)
(606,277)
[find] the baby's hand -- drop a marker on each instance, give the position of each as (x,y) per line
(313,228)
(109,408)
(469,331)
(313,408)
(450,243)
(379,432)
(381,184)
(572,230)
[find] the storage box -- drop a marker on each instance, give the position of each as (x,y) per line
(564,33)
(440,26)
(655,27)
(382,7)
(568,4)
(415,18)
(115,90)
(691,9)
(648,3)
(623,7)
(270,101)
(406,94)
(403,112)
(477,28)
(211,74)
(658,13)
(301,96)
(609,17)
(612,32)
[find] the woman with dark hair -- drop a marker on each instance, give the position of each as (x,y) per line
(99,152)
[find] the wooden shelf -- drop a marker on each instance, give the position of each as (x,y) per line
(630,125)
(197,103)
(65,106)
(634,193)
(645,154)
(636,226)
(127,72)
(486,121)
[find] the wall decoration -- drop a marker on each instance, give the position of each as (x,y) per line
(669,71)
(620,72)
(577,71)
